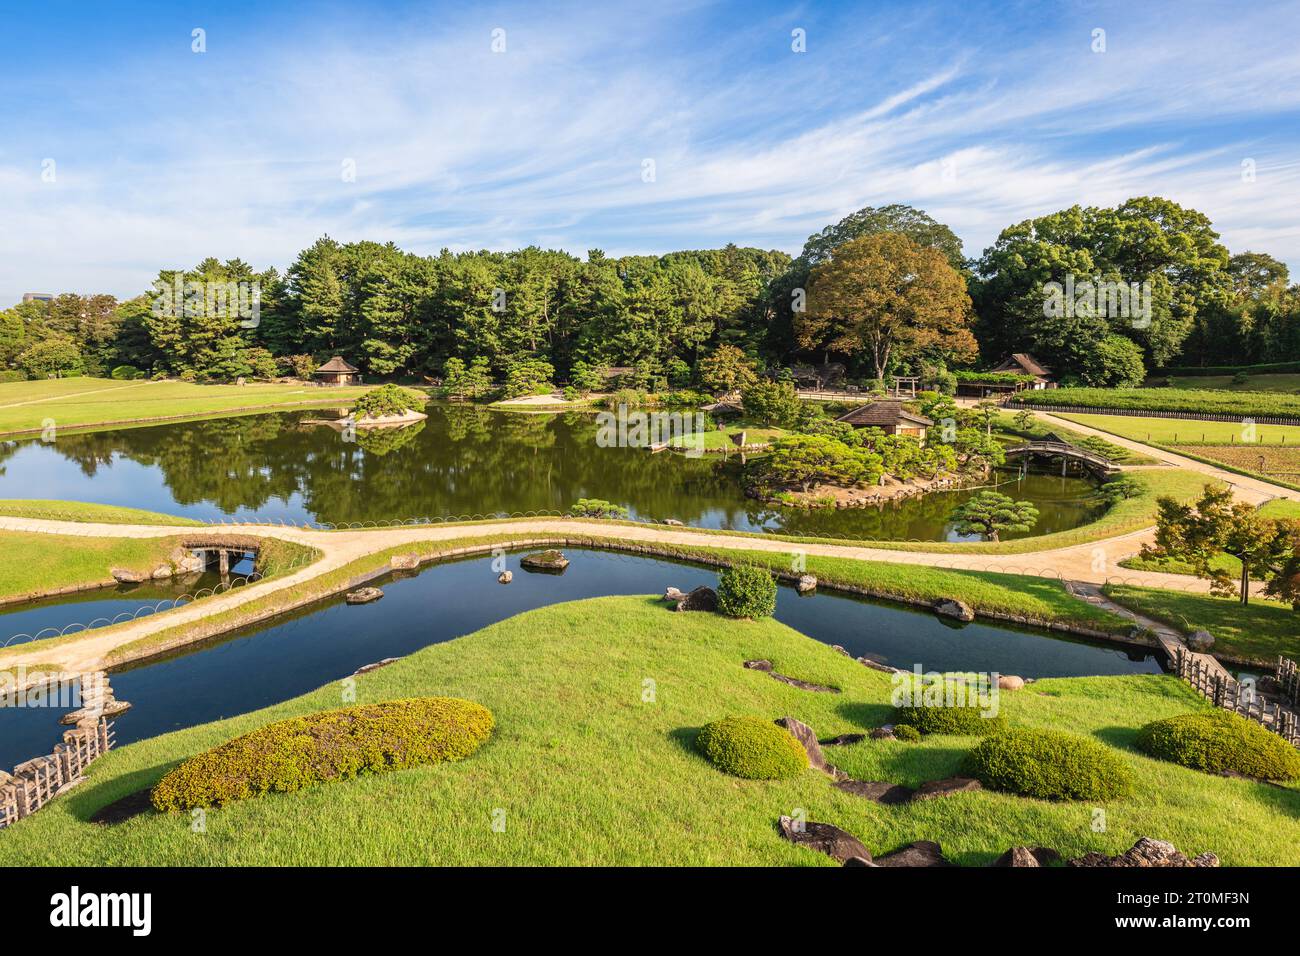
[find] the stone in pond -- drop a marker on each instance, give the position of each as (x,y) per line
(126,575)
(955,609)
(404,562)
(703,598)
(505,577)
(807,584)
(364,596)
(825,838)
(550,561)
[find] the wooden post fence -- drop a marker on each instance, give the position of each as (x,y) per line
(38,781)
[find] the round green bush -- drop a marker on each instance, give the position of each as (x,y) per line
(331,745)
(125,373)
(752,748)
(1051,765)
(962,720)
(906,732)
(746,591)
(386,400)
(1220,741)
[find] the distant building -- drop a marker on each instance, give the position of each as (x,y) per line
(890,417)
(38,296)
(1022,363)
(338,372)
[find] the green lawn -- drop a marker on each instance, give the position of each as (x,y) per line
(721,439)
(1198,400)
(40,563)
(1175,431)
(86,402)
(583,770)
(1281,382)
(88,512)
(1260,631)
(1277,508)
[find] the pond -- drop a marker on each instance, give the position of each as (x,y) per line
(327,642)
(463,460)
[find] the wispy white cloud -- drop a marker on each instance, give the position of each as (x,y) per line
(456,146)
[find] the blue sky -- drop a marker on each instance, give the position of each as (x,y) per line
(983,114)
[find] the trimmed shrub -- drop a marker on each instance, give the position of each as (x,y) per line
(386,400)
(331,745)
(597,508)
(125,373)
(12,375)
(630,397)
(906,732)
(746,591)
(960,720)
(752,748)
(1220,741)
(1050,765)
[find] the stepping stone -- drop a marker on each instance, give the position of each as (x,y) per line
(920,853)
(823,837)
(765,666)
(1027,856)
(941,788)
(878,791)
(803,684)
(842,740)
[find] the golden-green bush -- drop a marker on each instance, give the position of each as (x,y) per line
(1219,741)
(331,745)
(752,748)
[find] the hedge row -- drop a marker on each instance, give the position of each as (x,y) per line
(330,745)
(1221,742)
(1189,371)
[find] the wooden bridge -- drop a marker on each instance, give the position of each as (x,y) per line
(1066,452)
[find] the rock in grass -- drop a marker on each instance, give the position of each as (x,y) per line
(954,608)
(824,838)
(1027,856)
(1146,852)
(673,595)
(843,739)
(702,598)
(364,596)
(877,791)
(807,739)
(1200,641)
(762,665)
(1010,682)
(920,853)
(946,786)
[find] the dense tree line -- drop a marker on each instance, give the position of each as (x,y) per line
(885,291)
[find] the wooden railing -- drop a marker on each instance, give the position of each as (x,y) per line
(1062,448)
(38,781)
(1226,692)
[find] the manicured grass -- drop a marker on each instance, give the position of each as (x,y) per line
(1260,631)
(1277,508)
(1281,508)
(721,439)
(88,512)
(85,402)
(41,563)
(1285,382)
(1174,431)
(1169,400)
(584,770)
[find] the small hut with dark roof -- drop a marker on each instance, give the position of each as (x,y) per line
(338,372)
(890,417)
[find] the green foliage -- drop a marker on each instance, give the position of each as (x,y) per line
(752,748)
(1220,741)
(994,378)
(809,460)
(303,366)
(771,403)
(529,377)
(907,733)
(331,745)
(597,508)
(571,394)
(56,356)
(1050,765)
(725,370)
(630,397)
(990,513)
(585,377)
(466,381)
(12,375)
(125,373)
(386,400)
(746,591)
(1121,489)
(960,719)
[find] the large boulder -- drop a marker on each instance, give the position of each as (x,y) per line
(807,584)
(1010,682)
(836,843)
(1146,852)
(702,598)
(1200,641)
(126,576)
(954,608)
(807,739)
(1026,856)
(364,595)
(404,562)
(878,791)
(761,665)
(505,577)
(672,595)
